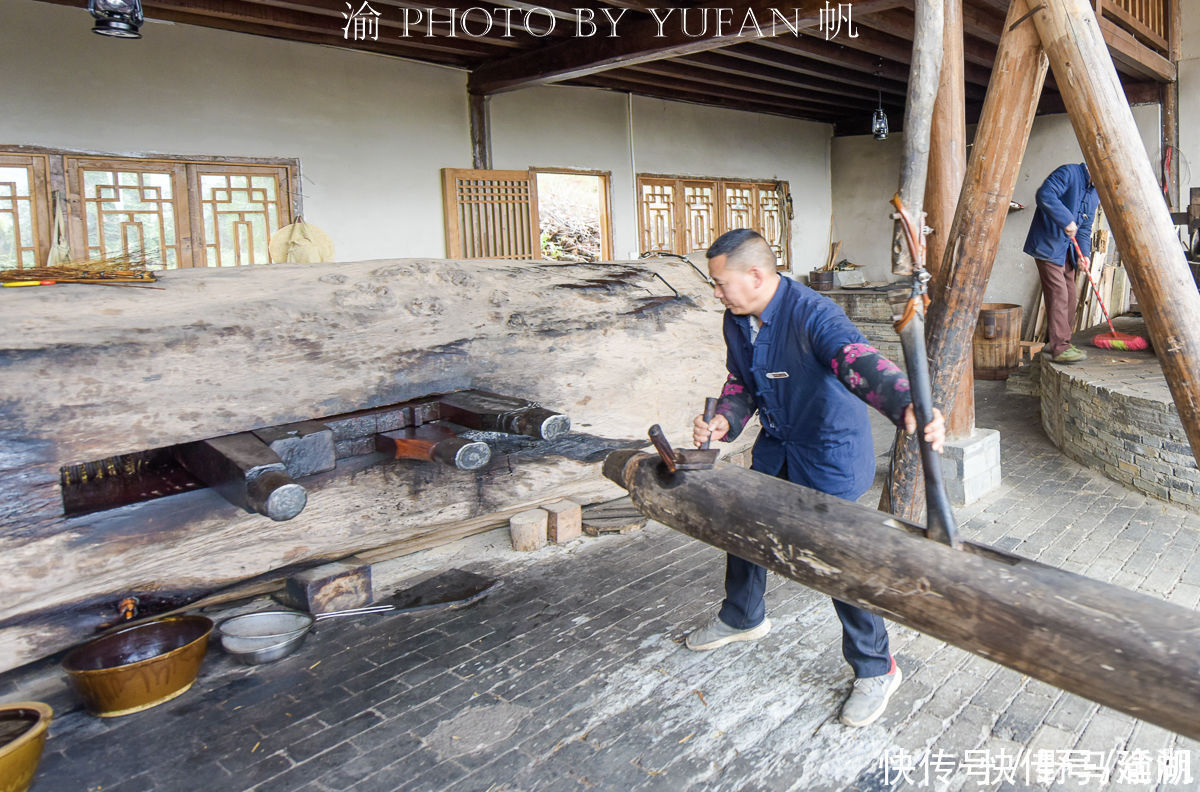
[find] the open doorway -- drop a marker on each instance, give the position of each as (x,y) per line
(573,210)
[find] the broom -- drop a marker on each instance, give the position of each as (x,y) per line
(1112,340)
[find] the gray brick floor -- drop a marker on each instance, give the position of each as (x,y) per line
(573,677)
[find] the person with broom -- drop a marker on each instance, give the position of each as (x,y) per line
(1066,208)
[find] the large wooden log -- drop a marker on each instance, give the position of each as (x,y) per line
(1117,647)
(95,372)
(992,171)
(1132,198)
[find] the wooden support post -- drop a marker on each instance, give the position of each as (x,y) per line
(435,442)
(481,132)
(947,168)
(1170,103)
(1130,194)
(1123,649)
(992,171)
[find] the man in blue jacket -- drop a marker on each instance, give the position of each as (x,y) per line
(1066,208)
(795,358)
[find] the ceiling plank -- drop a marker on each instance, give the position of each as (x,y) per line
(676,73)
(721,61)
(655,90)
(643,40)
(901,23)
(788,53)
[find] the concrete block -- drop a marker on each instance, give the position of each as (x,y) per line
(528,529)
(565,521)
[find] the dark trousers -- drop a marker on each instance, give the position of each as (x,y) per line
(1058,286)
(864,636)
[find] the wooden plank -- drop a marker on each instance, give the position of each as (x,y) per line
(481,132)
(1124,649)
(1139,218)
(642,40)
(1135,57)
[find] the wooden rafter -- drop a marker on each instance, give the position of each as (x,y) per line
(643,40)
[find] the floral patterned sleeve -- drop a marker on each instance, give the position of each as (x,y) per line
(737,405)
(874,379)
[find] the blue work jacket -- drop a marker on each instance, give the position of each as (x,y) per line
(1067,195)
(809,419)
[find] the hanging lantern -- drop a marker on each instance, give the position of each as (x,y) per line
(879,125)
(119,18)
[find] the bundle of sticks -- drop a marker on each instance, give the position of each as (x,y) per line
(128,267)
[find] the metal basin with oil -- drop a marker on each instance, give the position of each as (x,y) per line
(22,736)
(138,667)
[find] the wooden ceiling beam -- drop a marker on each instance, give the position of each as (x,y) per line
(276,22)
(655,90)
(897,22)
(788,53)
(721,61)
(644,40)
(678,74)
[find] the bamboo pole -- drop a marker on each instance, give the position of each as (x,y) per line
(1139,218)
(992,171)
(1121,648)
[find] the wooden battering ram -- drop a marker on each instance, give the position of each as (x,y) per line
(1117,647)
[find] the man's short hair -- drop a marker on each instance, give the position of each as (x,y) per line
(743,249)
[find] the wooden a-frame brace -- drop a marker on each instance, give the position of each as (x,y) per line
(1065,34)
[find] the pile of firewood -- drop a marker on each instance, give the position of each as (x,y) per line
(569,238)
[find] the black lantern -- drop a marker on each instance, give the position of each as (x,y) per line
(119,18)
(879,127)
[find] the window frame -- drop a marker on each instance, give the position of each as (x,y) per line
(681,231)
(63,174)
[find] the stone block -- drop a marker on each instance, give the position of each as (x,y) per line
(528,529)
(971,466)
(564,521)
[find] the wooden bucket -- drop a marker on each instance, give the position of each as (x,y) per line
(820,280)
(997,344)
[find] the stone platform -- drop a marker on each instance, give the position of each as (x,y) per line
(1114,413)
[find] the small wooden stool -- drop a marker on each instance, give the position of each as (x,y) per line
(1030,349)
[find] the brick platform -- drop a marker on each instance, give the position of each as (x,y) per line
(572,676)
(1114,413)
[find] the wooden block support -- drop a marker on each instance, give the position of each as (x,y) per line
(340,585)
(528,529)
(1030,349)
(565,521)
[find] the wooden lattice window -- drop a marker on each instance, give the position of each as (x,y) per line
(129,206)
(491,214)
(239,208)
(24,211)
(684,215)
(176,212)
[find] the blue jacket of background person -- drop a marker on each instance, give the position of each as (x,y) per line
(809,419)
(1067,195)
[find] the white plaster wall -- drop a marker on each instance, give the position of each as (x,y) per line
(590,129)
(371,132)
(866,173)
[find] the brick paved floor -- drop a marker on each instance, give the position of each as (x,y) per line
(573,677)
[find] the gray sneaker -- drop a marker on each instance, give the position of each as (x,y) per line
(869,698)
(718,633)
